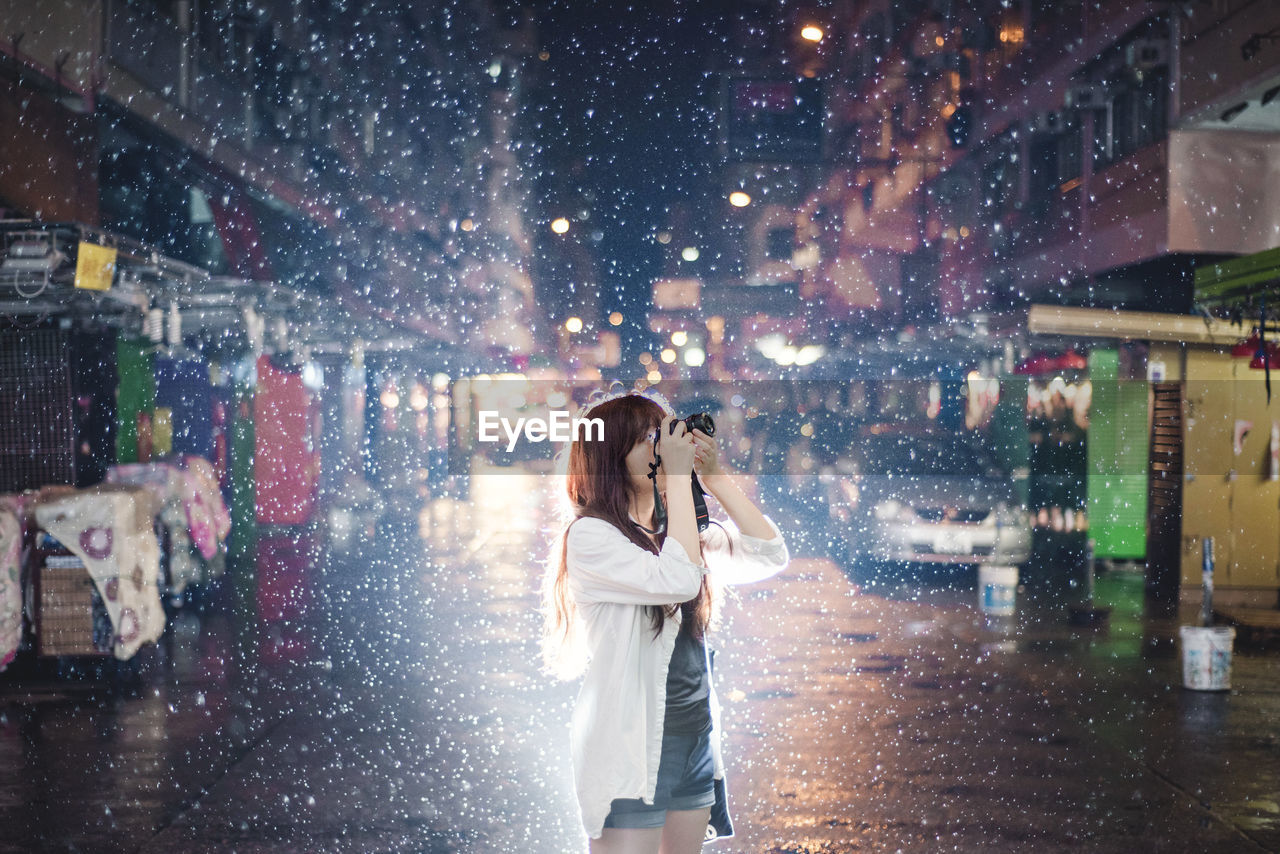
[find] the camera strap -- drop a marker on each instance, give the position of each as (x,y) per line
(659,509)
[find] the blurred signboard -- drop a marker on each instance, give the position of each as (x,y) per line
(604,352)
(771,118)
(610,349)
(673,294)
(779,299)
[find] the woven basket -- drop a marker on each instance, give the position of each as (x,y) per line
(66,615)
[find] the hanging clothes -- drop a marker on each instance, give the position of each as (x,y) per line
(10,577)
(110,528)
(240,446)
(242,242)
(136,395)
(223,407)
(182,387)
(285,465)
(93,382)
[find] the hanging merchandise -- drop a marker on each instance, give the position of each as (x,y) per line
(161,432)
(287,577)
(207,516)
(221,458)
(1050,363)
(1245,348)
(93,383)
(285,463)
(182,387)
(10,577)
(192,513)
(1265,356)
(240,461)
(164,482)
(110,529)
(135,399)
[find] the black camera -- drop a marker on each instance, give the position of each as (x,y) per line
(697,421)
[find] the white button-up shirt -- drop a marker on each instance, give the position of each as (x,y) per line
(616,730)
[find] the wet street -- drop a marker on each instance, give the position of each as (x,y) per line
(390,701)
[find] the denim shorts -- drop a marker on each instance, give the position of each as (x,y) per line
(686,781)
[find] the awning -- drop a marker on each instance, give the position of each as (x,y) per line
(1239,278)
(1131,325)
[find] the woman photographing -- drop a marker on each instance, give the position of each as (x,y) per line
(632,590)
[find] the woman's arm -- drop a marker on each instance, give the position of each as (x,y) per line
(748,547)
(741,509)
(678,454)
(605,566)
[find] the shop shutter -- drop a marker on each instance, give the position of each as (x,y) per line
(37,423)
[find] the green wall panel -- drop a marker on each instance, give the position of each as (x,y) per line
(1117,460)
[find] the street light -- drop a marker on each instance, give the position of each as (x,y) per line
(811,33)
(739,199)
(573,324)
(679,338)
(690,253)
(560,225)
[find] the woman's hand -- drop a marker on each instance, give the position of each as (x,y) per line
(706,458)
(720,483)
(676,450)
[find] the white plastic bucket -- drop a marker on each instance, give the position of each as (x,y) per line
(997,589)
(1206,657)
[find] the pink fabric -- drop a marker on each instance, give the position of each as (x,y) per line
(207,515)
(10,577)
(208,520)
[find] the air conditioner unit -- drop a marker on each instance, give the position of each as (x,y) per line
(1088,96)
(1146,54)
(1050,121)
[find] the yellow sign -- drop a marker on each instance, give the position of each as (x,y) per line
(162,432)
(95,267)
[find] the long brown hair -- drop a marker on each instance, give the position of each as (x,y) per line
(597,484)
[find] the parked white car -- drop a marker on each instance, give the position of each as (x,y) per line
(916,497)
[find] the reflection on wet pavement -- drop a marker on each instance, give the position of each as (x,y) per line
(395,704)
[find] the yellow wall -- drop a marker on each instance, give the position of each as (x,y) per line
(1226,495)
(1170,355)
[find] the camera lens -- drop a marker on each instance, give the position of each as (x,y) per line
(701,421)
(698,421)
